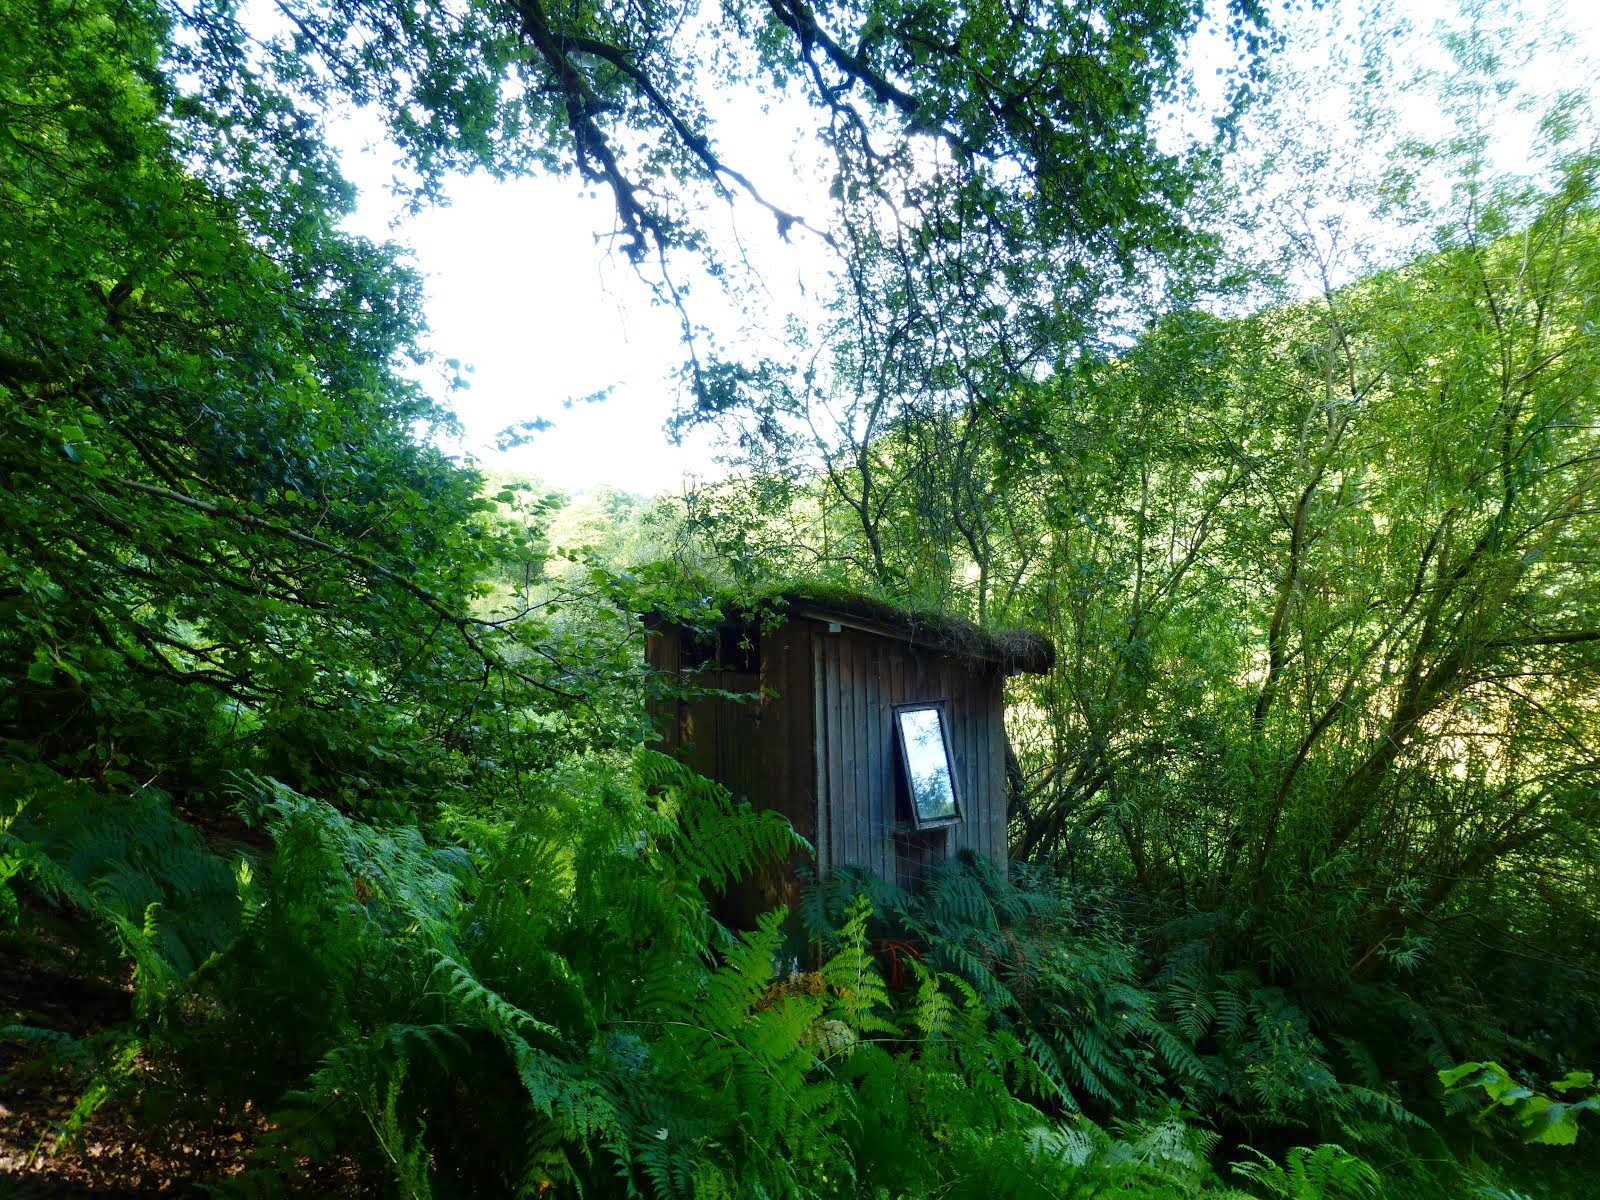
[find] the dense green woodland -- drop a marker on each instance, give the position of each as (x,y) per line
(334,855)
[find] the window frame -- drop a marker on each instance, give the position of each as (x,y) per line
(918,821)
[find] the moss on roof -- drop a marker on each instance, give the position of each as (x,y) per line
(1014,650)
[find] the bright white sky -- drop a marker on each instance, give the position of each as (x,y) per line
(524,286)
(519,287)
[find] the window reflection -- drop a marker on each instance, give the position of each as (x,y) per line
(927,761)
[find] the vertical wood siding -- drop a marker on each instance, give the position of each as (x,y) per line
(823,749)
(863,677)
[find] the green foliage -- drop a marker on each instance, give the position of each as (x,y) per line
(1550,1120)
(323,765)
(966,153)
(547,1001)
(223,544)
(1325,1172)
(1104,1030)
(1316,559)
(130,865)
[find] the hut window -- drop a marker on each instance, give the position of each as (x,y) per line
(739,649)
(925,755)
(728,648)
(695,649)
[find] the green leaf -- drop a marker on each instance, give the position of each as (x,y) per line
(1549,1122)
(1451,1076)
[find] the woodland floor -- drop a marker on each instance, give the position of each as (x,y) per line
(121,1152)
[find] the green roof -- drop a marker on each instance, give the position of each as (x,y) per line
(1016,651)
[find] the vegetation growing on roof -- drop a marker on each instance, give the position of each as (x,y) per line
(1013,650)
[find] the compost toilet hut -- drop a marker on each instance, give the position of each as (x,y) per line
(879,733)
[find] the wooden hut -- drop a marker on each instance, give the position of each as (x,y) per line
(879,733)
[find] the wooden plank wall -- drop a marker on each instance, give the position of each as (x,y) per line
(721,738)
(860,677)
(662,651)
(822,749)
(786,728)
(718,738)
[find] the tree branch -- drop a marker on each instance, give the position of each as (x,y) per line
(463,622)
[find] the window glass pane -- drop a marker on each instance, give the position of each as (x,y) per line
(927,764)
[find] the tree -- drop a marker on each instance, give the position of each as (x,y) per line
(1320,581)
(217,513)
(980,155)
(222,364)
(1329,623)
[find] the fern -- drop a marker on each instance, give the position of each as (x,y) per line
(368,1076)
(128,863)
(1165,1155)
(862,997)
(1324,1172)
(711,840)
(933,1014)
(116,1065)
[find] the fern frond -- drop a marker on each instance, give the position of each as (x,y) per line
(712,840)
(933,1014)
(1045,1058)
(861,995)
(1324,1172)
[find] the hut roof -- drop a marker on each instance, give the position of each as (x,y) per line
(1016,651)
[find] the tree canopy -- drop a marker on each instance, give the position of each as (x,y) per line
(978,157)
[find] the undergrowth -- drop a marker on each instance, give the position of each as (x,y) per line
(545,1004)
